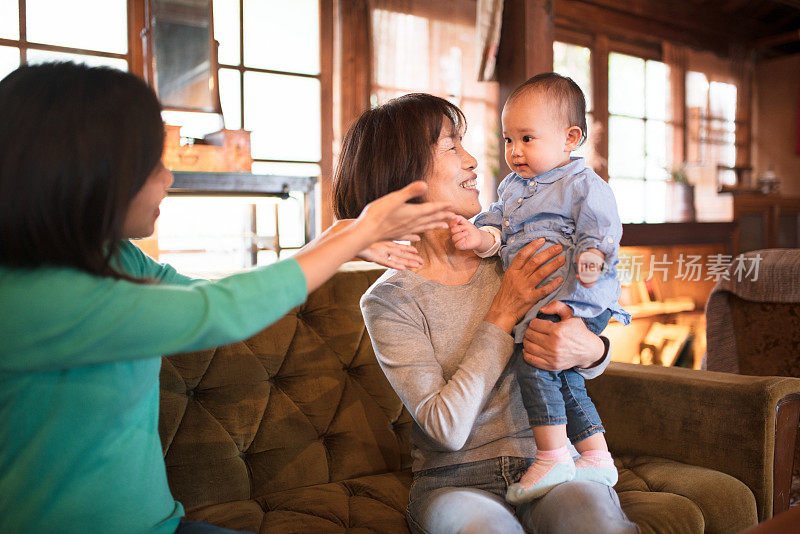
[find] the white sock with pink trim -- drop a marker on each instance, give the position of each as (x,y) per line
(549,469)
(596,466)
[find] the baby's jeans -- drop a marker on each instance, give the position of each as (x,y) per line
(560,398)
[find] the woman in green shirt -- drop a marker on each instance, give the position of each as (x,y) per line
(85,316)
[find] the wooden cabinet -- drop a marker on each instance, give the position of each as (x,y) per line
(766,221)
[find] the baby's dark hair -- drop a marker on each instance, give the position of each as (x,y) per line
(564,92)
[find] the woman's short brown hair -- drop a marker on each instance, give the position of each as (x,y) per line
(389,147)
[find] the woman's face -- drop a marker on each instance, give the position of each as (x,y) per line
(452,177)
(140,221)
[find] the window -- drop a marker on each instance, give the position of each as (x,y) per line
(269,77)
(94,32)
(428,54)
(575,61)
(639,134)
(269,80)
(711,116)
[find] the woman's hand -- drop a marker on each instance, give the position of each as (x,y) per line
(392,255)
(563,345)
(391,217)
(385,219)
(518,291)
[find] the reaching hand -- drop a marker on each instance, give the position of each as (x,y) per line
(392,255)
(465,235)
(392,217)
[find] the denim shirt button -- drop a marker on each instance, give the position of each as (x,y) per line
(507,224)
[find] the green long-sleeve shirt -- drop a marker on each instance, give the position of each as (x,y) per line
(79,365)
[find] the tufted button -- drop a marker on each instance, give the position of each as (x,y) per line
(192,393)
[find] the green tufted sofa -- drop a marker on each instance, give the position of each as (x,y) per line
(296,430)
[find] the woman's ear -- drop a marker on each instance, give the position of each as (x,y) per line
(573,138)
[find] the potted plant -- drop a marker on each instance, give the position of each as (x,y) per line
(680,195)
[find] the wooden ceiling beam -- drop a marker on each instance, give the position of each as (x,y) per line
(592,19)
(791,3)
(705,22)
(781,39)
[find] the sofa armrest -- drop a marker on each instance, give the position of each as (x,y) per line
(720,421)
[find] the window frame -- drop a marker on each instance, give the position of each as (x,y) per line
(241,69)
(23,44)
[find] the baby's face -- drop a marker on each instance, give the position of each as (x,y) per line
(536,138)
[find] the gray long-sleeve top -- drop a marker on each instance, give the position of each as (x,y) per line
(449,367)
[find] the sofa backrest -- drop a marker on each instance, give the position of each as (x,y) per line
(303,402)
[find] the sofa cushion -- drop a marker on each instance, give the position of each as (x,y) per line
(663,496)
(301,403)
(366,504)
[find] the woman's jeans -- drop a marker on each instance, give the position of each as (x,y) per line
(560,398)
(469,498)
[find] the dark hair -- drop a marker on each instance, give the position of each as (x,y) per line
(389,147)
(564,91)
(76,145)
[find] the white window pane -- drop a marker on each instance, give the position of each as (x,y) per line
(286,169)
(281,35)
(212,236)
(90,24)
(402,53)
(226,30)
(231,98)
(727,155)
(9,19)
(722,100)
(655,169)
(586,150)
(657,84)
(696,91)
(283,112)
(625,147)
(193,124)
(656,136)
(575,61)
(656,202)
(625,85)
(630,199)
(9,60)
(42,56)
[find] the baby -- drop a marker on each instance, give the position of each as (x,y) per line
(555,196)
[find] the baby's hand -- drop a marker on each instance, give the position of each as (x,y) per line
(466,235)
(590,266)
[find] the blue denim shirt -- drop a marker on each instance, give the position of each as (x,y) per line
(570,206)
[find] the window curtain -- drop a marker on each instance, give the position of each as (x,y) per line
(488,25)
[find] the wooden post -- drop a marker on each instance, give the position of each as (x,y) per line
(353,65)
(599,133)
(526,49)
(326,17)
